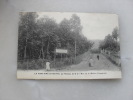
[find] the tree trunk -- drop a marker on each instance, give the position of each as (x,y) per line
(42,50)
(40,54)
(48,47)
(25,51)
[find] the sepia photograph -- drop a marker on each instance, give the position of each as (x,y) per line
(68,45)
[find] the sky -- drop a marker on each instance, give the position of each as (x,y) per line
(95,25)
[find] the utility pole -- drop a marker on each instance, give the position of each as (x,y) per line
(48,47)
(75,50)
(54,57)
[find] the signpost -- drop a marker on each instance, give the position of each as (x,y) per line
(60,51)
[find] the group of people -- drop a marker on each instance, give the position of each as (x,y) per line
(91,63)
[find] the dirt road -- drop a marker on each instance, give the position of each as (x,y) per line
(102,64)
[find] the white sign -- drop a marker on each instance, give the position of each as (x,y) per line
(61,51)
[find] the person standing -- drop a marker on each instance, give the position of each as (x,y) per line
(91,62)
(47,65)
(98,57)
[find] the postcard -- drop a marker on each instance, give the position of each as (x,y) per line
(68,45)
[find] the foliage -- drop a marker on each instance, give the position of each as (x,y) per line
(111,42)
(39,37)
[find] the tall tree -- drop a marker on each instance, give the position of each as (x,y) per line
(47,29)
(111,42)
(26,30)
(115,34)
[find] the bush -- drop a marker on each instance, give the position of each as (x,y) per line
(31,64)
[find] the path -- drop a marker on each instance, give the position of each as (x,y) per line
(102,64)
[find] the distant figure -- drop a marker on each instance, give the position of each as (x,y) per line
(47,65)
(98,57)
(91,63)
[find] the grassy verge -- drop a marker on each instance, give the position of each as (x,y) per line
(115,60)
(38,64)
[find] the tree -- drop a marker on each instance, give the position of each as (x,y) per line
(26,31)
(110,42)
(47,28)
(115,34)
(39,37)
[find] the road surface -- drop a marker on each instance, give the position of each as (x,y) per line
(102,64)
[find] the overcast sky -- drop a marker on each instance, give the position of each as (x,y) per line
(95,26)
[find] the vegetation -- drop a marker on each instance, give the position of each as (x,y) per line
(111,47)
(111,42)
(39,37)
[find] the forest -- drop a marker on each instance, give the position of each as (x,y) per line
(39,37)
(110,47)
(111,42)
